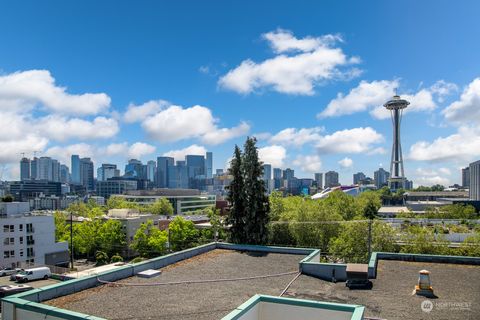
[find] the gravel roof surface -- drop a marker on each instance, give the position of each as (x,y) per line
(188,301)
(457,288)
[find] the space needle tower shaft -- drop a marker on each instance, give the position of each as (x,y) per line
(397,175)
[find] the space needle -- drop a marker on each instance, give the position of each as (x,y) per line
(397,175)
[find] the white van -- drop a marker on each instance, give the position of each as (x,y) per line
(33,274)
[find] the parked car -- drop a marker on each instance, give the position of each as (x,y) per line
(12,289)
(33,274)
(14,274)
(7,271)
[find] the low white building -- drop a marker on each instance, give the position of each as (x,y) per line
(27,238)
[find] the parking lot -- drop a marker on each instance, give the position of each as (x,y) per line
(35,284)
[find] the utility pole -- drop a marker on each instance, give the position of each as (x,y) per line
(71,239)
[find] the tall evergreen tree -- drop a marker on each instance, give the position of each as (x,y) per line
(236,217)
(249,212)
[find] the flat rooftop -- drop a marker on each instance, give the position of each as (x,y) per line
(188,301)
(456,286)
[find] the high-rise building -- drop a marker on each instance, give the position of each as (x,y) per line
(107,171)
(219,172)
(331,179)
(267,177)
(474,169)
(209,165)
(162,170)
(288,174)
(86,174)
(357,177)
(47,169)
(34,169)
(64,174)
(75,169)
(24,169)
(178,176)
(397,176)
(381,177)
(135,169)
(151,170)
(466,177)
(277,178)
(319,180)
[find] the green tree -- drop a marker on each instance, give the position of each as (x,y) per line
(62,230)
(149,241)
(111,236)
(351,245)
(116,258)
(422,240)
(183,233)
(471,246)
(101,258)
(160,207)
(7,198)
(256,201)
(236,197)
(276,205)
(85,237)
(341,203)
(121,203)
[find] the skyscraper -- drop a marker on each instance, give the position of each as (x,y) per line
(24,169)
(48,169)
(288,174)
(277,178)
(466,177)
(64,174)
(162,170)
(209,165)
(474,169)
(34,169)
(267,177)
(381,177)
(151,170)
(331,179)
(397,176)
(86,174)
(136,169)
(75,159)
(107,171)
(319,180)
(357,177)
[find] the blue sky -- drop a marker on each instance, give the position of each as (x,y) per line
(120,79)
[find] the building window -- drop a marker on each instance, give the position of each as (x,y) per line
(9,241)
(20,227)
(21,240)
(21,253)
(8,228)
(29,227)
(12,254)
(6,254)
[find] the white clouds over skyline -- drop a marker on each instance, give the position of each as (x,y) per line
(310,62)
(181,153)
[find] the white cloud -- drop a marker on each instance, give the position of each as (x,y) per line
(467,109)
(428,177)
(318,61)
(420,101)
(24,90)
(284,41)
(176,123)
(356,140)
(114,149)
(442,89)
(138,113)
(365,96)
(297,137)
(61,129)
(464,145)
(274,155)
(64,153)
(379,150)
(11,149)
(219,136)
(309,163)
(372,95)
(140,149)
(180,154)
(346,163)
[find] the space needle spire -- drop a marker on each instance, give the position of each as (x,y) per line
(397,175)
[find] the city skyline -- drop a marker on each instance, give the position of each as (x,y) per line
(119,101)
